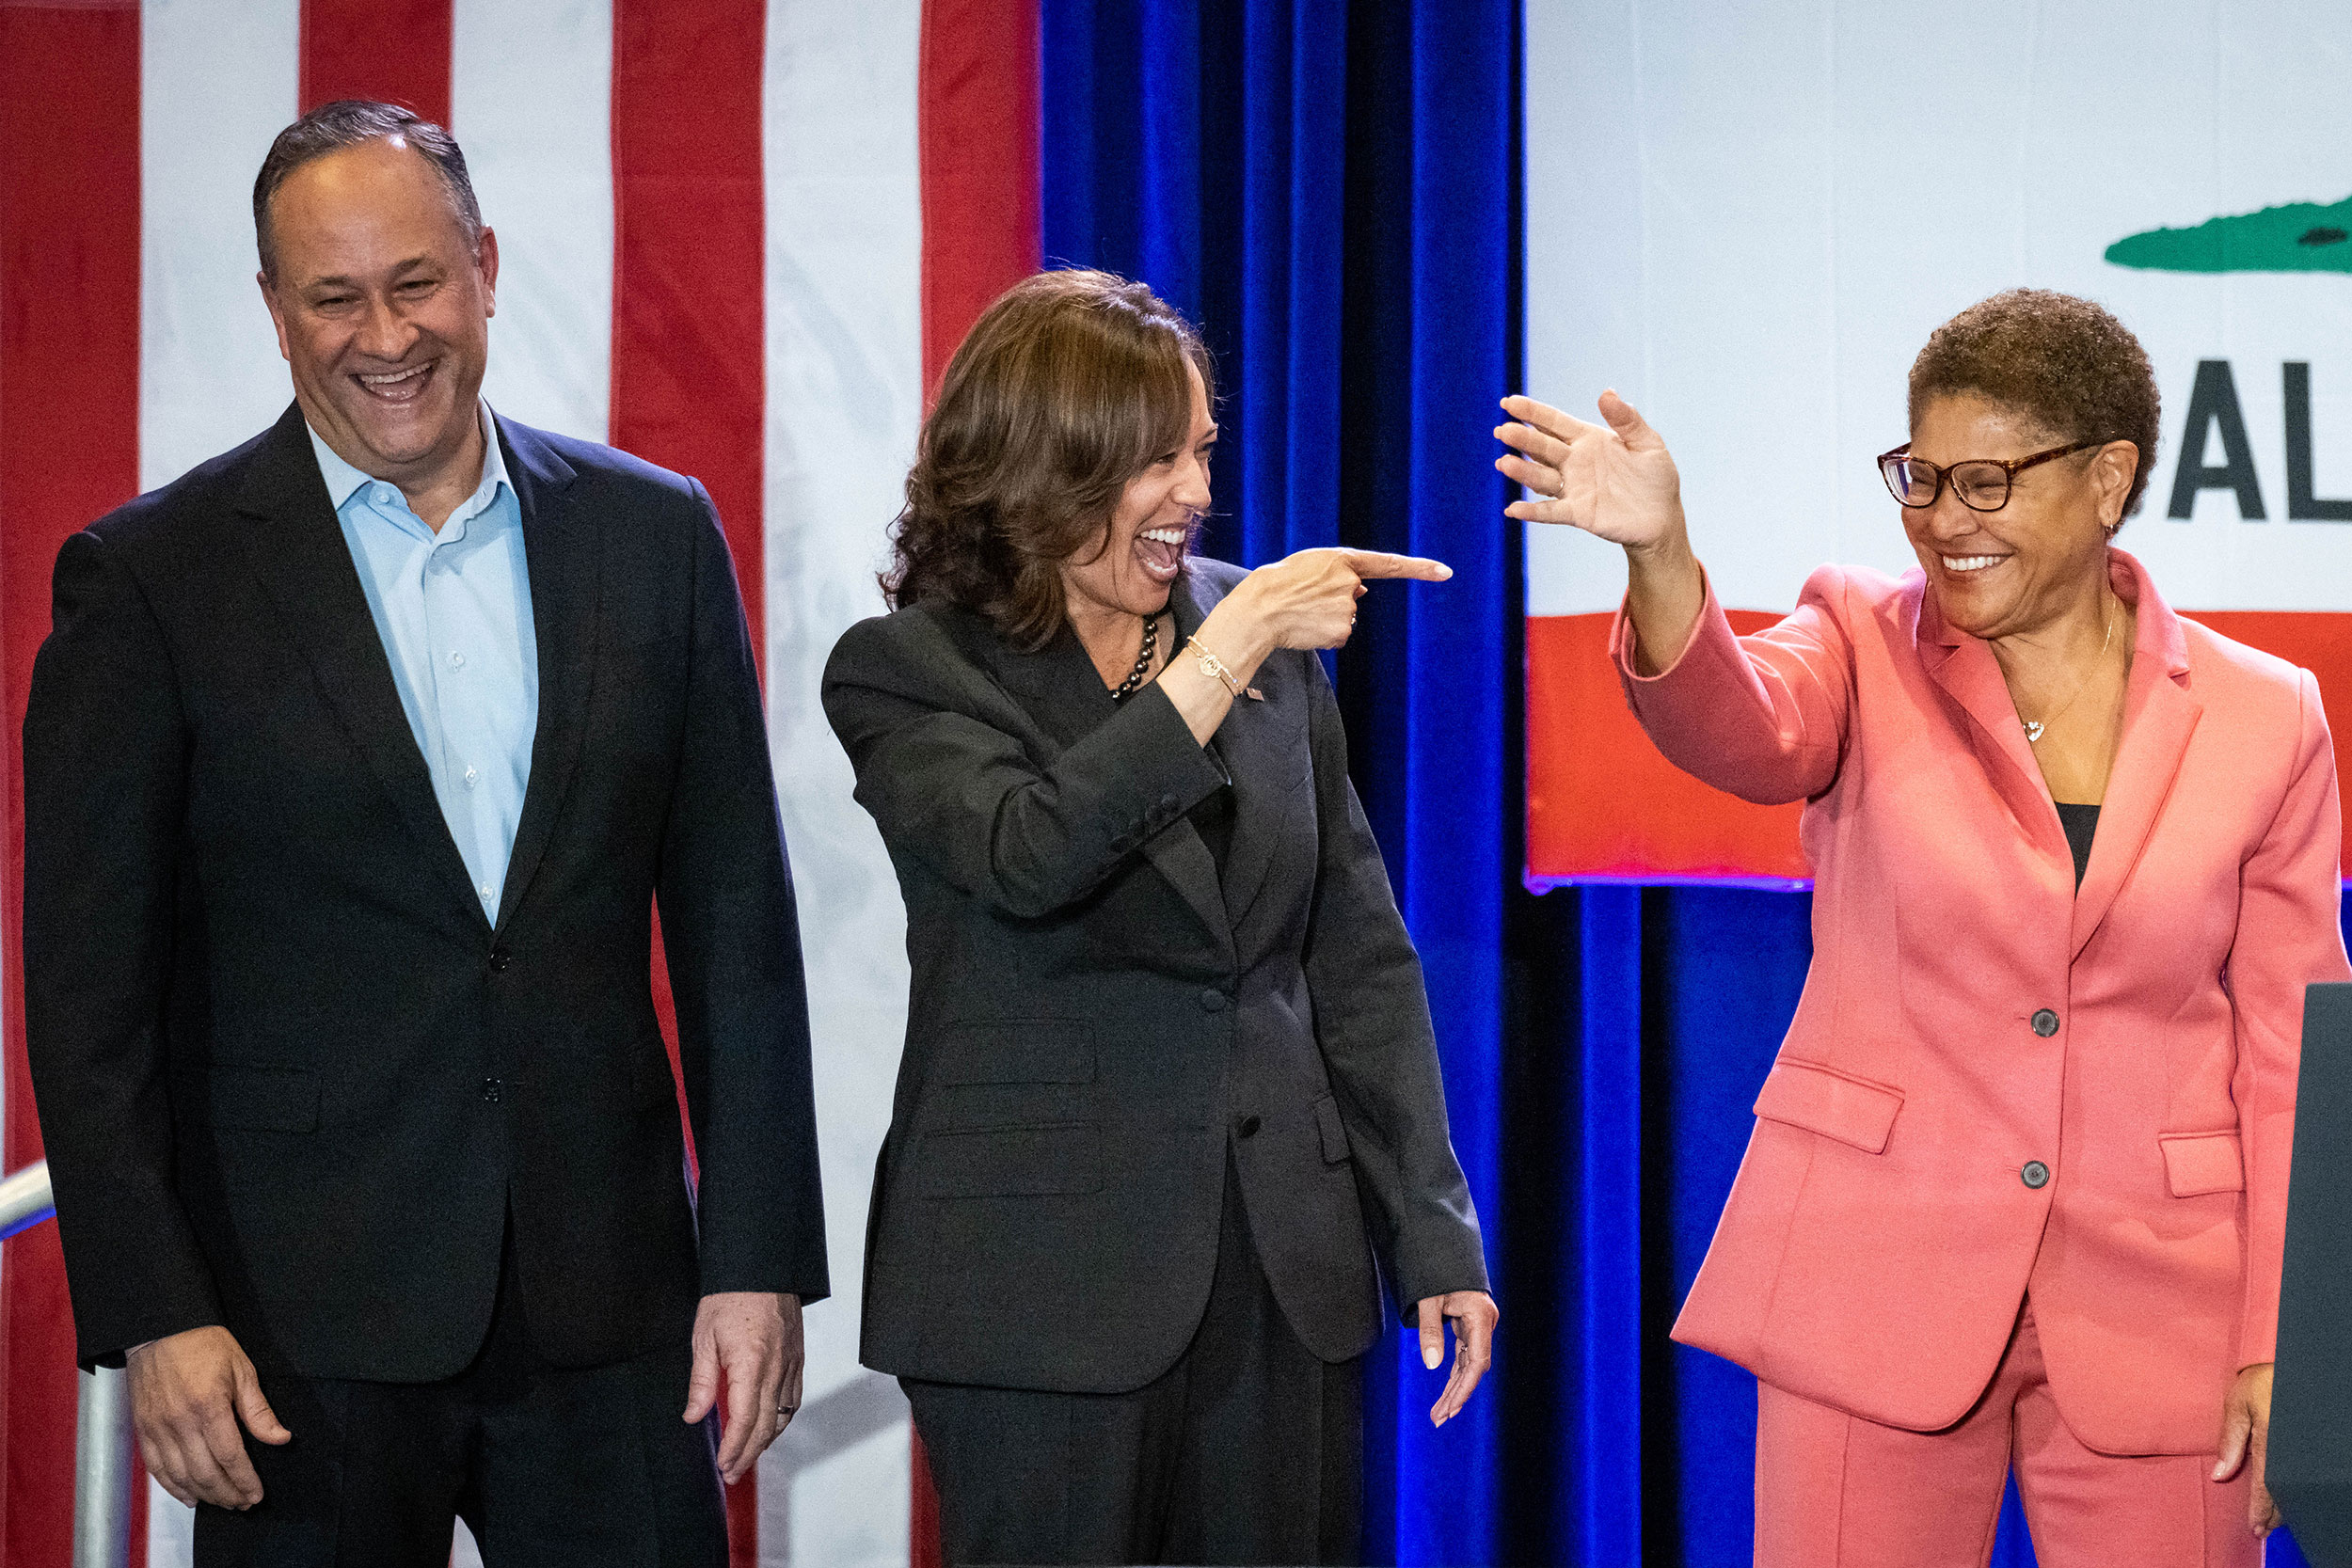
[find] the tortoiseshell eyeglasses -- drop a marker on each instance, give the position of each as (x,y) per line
(1983,484)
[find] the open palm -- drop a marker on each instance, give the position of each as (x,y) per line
(1616,481)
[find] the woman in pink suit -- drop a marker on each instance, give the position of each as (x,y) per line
(2016,1189)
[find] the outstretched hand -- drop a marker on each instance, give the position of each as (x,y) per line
(1614,480)
(1308,598)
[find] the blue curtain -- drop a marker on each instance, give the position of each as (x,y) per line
(1332,191)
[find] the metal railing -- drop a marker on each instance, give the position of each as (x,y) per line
(102,1440)
(25,1200)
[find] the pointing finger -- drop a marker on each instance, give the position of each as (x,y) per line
(1378,564)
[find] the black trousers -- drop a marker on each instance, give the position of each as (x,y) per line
(1247,1450)
(546,1465)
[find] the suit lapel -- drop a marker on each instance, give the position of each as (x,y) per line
(1059,687)
(304,568)
(561,546)
(2160,714)
(1250,741)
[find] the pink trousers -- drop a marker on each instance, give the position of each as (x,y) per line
(1833,1489)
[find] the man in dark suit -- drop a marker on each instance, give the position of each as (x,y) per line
(356,759)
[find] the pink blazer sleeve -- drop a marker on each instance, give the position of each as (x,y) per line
(2288,936)
(1761,717)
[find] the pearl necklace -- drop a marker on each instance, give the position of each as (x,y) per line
(1133,683)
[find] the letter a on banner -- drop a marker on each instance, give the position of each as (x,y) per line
(2214,401)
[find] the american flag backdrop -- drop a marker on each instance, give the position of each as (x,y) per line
(737,239)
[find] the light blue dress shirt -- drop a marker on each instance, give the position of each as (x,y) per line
(453,610)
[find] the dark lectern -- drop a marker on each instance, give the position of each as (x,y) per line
(2311,1413)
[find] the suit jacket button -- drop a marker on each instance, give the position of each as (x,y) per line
(1212,1001)
(2036,1175)
(491,1090)
(1248,1128)
(2045,1024)
(499,958)
(1168,804)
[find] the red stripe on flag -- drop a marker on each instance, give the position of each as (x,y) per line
(977,107)
(978,110)
(690,349)
(394,50)
(1601,801)
(69,451)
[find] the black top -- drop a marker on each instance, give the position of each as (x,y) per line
(2080,823)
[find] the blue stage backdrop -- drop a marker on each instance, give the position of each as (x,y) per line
(1333,193)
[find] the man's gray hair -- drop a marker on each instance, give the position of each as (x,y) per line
(354,122)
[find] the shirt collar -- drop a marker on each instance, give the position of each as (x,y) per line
(344,480)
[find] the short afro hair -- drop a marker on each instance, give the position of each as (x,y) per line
(2064,363)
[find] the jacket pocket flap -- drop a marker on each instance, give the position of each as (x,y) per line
(1820,1099)
(1017,1051)
(1334,1129)
(262,1099)
(1008,1161)
(2199,1162)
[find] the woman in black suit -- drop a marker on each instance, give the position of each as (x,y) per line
(1169,1080)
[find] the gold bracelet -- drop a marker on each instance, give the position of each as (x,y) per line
(1213,666)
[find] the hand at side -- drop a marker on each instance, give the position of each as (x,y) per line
(188,1392)
(749,1342)
(1473,1314)
(2246,1440)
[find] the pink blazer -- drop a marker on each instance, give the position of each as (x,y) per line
(1969,1014)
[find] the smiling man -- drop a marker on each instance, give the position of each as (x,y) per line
(356,760)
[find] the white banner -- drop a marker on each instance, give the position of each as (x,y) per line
(1748,218)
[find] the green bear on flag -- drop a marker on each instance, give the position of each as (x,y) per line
(2300,236)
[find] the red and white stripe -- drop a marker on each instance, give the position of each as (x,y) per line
(738,238)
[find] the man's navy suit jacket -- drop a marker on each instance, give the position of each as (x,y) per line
(291,1080)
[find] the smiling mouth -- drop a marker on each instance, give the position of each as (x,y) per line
(397,386)
(1161,550)
(1964,563)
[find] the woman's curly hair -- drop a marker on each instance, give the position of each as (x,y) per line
(2066,363)
(1068,387)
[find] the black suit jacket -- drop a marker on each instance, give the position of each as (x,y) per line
(1096,1019)
(291,1080)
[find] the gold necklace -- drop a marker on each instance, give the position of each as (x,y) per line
(2034,727)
